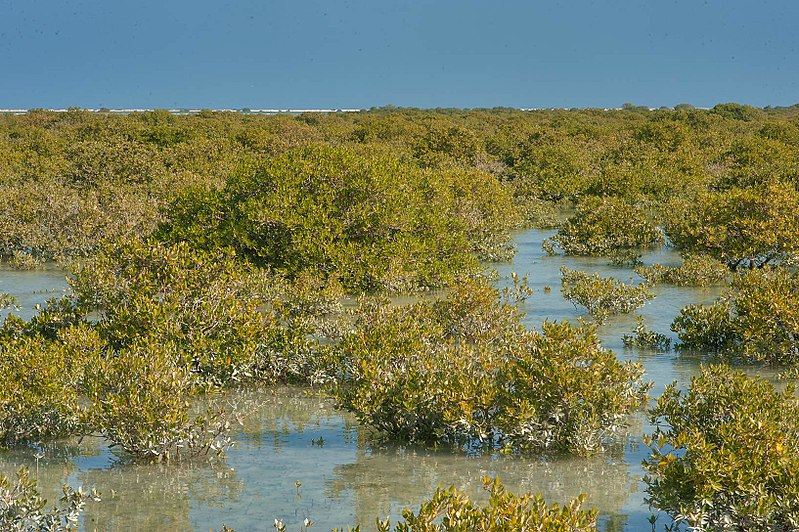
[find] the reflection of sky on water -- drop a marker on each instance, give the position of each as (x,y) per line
(30,288)
(345,480)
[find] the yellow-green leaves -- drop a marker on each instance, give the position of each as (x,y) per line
(602,296)
(365,218)
(757,321)
(140,399)
(464,371)
(452,511)
(23,509)
(604,226)
(725,453)
(39,398)
(742,227)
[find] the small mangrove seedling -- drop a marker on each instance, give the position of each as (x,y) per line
(643,338)
(23,508)
(602,296)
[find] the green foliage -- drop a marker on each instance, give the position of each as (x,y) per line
(48,322)
(602,296)
(70,180)
(22,509)
(743,227)
(760,159)
(706,328)
(538,213)
(725,453)
(210,307)
(51,220)
(758,321)
(442,140)
(451,510)
(138,397)
(766,306)
(464,371)
(140,401)
(201,302)
(7,300)
(735,111)
(646,339)
(372,222)
(695,270)
(604,225)
(169,323)
(41,382)
(551,167)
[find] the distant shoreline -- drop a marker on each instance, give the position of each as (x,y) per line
(247,111)
(183,111)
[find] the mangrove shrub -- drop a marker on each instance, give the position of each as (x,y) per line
(22,509)
(695,270)
(604,226)
(464,371)
(370,221)
(725,453)
(743,227)
(602,296)
(450,510)
(757,321)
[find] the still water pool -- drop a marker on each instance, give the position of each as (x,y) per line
(298,457)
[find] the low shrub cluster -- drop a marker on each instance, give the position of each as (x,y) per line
(138,397)
(449,510)
(167,323)
(464,371)
(695,270)
(22,509)
(644,338)
(141,401)
(757,321)
(604,226)
(39,399)
(708,328)
(725,453)
(602,296)
(200,303)
(503,511)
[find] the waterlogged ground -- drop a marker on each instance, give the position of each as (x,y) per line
(297,456)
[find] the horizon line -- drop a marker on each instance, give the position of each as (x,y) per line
(247,110)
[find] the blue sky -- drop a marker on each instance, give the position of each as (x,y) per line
(360,53)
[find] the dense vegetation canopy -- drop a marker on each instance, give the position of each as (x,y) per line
(219,250)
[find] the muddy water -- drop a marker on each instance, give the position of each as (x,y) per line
(298,457)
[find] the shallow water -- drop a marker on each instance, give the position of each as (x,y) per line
(30,287)
(345,480)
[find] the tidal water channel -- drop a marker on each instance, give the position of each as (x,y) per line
(299,457)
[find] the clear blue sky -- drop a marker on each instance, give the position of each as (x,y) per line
(363,53)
